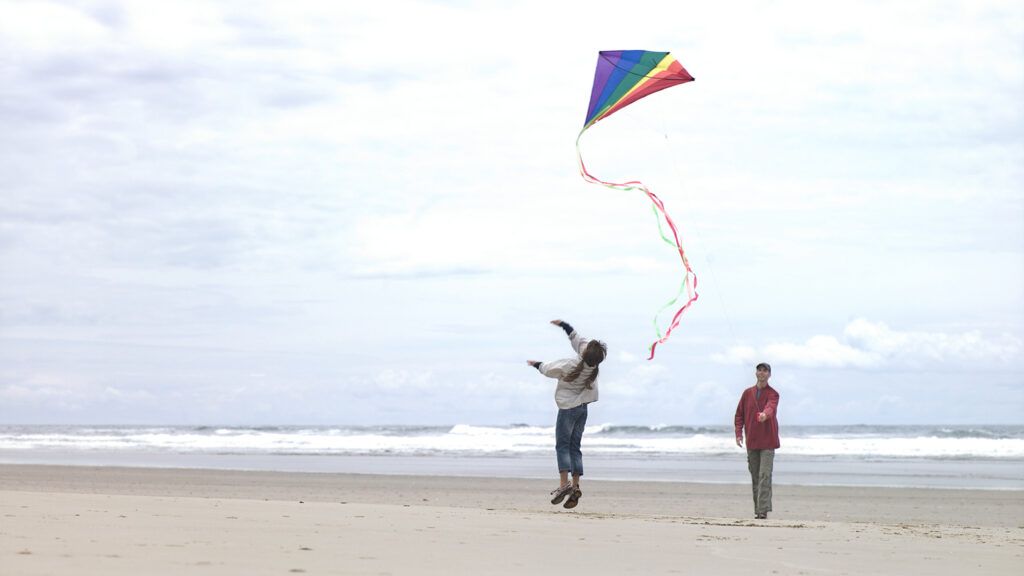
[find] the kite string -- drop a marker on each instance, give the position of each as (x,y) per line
(659,206)
(694,227)
(695,230)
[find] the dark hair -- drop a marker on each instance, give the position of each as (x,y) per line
(593,355)
(764,365)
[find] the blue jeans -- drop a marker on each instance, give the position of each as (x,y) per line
(568,435)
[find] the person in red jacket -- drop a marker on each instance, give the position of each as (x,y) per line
(756,413)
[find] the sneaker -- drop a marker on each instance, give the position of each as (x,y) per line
(559,494)
(574,499)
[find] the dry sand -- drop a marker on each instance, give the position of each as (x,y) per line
(111,521)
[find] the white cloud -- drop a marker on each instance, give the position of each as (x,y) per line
(873,345)
(47,26)
(821,351)
(638,381)
(969,346)
(626,357)
(326,177)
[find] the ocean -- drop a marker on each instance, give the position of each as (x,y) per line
(980,457)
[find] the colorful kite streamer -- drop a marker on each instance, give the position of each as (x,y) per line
(623,77)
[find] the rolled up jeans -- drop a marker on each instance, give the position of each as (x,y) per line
(568,436)
(760,464)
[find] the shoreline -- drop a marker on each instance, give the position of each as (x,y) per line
(122,520)
(790,470)
(1003,508)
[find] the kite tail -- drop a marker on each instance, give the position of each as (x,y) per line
(689,283)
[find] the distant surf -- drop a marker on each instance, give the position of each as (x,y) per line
(866,442)
(937,456)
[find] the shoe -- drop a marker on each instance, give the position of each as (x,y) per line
(762,516)
(559,494)
(574,499)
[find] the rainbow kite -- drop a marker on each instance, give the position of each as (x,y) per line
(623,77)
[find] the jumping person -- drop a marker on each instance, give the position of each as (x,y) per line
(576,388)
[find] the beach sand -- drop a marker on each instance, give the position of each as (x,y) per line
(111,521)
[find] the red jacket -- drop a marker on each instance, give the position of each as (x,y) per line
(760,435)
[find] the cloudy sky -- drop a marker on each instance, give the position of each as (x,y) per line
(359,213)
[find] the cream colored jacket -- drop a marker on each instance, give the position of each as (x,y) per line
(571,394)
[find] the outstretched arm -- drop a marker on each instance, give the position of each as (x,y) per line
(564,326)
(555,368)
(578,342)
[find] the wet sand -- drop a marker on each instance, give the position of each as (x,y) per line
(89,520)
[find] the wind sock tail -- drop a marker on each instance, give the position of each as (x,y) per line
(689,283)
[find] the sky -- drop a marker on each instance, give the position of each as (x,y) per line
(362,213)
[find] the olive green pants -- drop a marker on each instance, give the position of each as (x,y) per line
(760,464)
